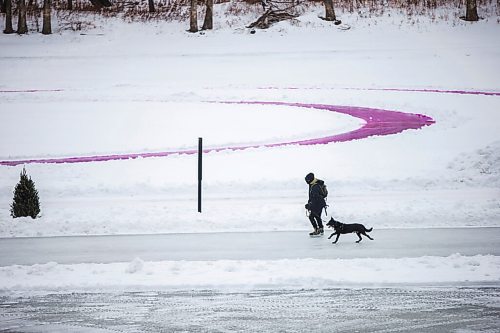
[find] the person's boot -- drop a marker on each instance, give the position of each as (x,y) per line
(320,231)
(314,233)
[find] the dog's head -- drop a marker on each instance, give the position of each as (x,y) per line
(333,224)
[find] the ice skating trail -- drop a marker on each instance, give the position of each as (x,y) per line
(377,122)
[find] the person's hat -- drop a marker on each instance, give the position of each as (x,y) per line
(309,177)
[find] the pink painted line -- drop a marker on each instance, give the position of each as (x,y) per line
(30,90)
(461,92)
(377,122)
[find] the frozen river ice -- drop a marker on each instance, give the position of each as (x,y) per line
(400,307)
(397,309)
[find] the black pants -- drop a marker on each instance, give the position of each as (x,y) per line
(315,219)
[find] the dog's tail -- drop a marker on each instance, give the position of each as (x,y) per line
(368,230)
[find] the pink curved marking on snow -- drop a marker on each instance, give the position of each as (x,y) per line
(30,90)
(461,92)
(377,122)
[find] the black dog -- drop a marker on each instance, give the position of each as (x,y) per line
(341,228)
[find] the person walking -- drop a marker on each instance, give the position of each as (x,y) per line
(316,202)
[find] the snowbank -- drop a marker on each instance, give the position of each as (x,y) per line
(306,273)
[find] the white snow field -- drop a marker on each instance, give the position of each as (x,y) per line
(147,88)
(111,98)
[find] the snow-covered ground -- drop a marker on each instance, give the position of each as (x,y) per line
(139,88)
(111,98)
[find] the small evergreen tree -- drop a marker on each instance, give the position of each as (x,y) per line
(26,202)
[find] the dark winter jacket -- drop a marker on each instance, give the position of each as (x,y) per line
(316,201)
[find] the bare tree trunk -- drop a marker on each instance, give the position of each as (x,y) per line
(329,11)
(2,6)
(47,27)
(471,13)
(70,4)
(151,6)
(22,27)
(193,16)
(8,17)
(208,24)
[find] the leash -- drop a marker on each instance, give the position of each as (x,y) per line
(308,213)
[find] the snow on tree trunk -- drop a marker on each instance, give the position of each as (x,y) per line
(270,17)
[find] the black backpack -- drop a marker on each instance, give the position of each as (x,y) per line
(322,189)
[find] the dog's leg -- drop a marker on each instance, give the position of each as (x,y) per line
(333,233)
(336,239)
(367,236)
(359,235)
